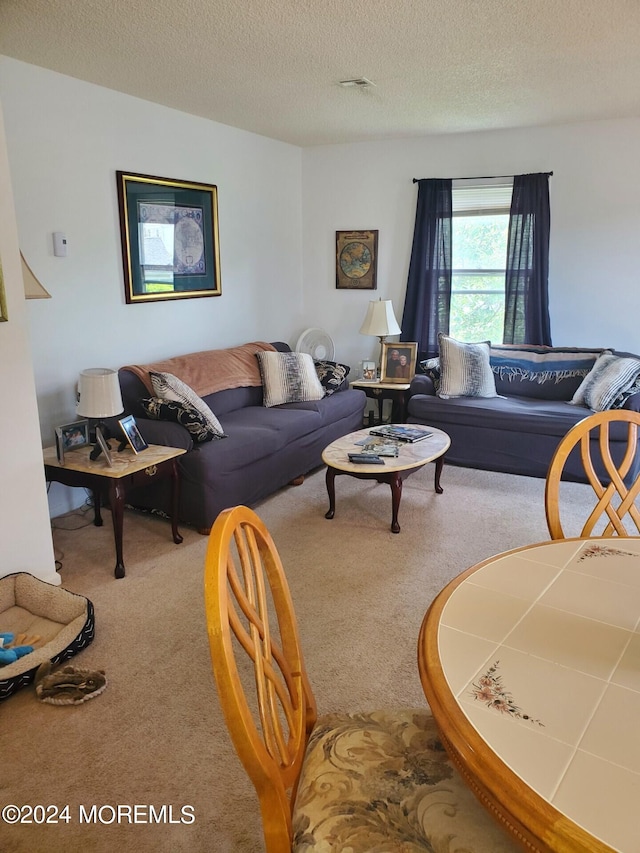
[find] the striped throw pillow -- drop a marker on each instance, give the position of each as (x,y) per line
(465,370)
(609,377)
(169,387)
(288,377)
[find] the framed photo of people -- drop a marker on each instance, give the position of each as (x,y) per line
(398,361)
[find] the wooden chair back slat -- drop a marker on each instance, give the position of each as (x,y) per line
(582,435)
(269,710)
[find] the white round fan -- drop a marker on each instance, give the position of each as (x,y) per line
(318,343)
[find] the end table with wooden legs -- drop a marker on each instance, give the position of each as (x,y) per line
(397,392)
(128,470)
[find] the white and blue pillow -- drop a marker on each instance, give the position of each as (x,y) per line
(465,369)
(610,377)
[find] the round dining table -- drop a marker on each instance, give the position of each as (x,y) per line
(530,662)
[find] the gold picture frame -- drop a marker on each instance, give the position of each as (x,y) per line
(170,241)
(356,260)
(398,362)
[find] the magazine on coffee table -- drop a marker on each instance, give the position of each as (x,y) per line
(379,445)
(401,433)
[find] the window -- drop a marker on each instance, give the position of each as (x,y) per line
(479,255)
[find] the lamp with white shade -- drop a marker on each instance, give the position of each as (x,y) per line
(380,321)
(99,397)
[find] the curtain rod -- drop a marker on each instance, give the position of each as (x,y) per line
(484,177)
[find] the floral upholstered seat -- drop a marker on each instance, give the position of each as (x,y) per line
(380,782)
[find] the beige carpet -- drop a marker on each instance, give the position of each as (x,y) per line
(156,735)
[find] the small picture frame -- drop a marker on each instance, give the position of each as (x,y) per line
(104,447)
(356,260)
(70,437)
(59,446)
(369,371)
(132,434)
(398,362)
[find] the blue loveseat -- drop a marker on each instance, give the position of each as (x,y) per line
(518,430)
(264,448)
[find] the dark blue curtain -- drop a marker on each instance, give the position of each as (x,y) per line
(526,319)
(426,305)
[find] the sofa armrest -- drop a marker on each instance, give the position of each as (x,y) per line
(421,384)
(165,432)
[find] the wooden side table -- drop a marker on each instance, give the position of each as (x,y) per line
(128,470)
(381,391)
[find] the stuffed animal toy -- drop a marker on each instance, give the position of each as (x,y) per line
(68,685)
(9,652)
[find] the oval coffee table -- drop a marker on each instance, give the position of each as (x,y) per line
(396,468)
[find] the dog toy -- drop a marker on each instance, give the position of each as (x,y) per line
(10,651)
(68,685)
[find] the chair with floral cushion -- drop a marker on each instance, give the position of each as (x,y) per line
(378,781)
(615,482)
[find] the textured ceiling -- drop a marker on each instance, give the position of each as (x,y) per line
(273,66)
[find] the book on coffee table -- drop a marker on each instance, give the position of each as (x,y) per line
(401,433)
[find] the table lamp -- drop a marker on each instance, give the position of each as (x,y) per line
(99,397)
(380,321)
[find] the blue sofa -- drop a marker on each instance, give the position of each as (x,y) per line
(264,449)
(518,430)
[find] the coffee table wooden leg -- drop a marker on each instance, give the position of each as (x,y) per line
(396,493)
(116,499)
(331,491)
(439,466)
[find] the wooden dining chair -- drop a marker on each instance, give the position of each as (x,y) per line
(614,495)
(378,781)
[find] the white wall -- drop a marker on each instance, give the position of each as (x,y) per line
(66,139)
(25,531)
(595,222)
(279,210)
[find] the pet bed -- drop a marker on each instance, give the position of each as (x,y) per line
(62,620)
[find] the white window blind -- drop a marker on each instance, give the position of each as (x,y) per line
(481,197)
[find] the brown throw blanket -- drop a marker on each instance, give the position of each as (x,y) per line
(209,371)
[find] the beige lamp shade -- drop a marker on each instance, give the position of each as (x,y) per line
(32,287)
(99,393)
(380,319)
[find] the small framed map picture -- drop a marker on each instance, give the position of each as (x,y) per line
(356,260)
